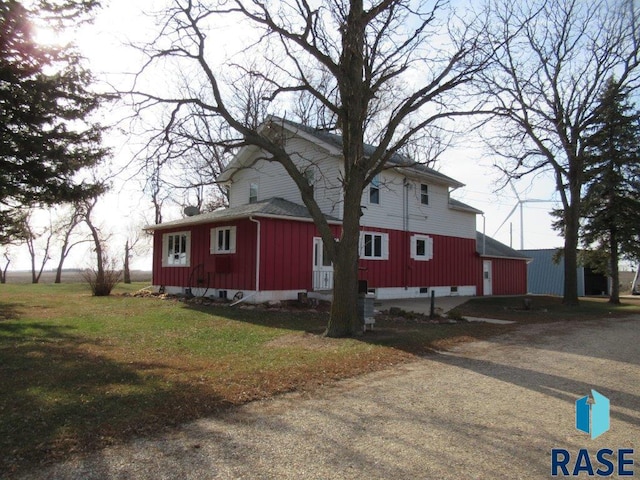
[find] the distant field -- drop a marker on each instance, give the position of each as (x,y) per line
(68,276)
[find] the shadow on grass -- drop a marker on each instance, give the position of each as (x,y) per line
(414,337)
(421,338)
(301,320)
(9,311)
(57,398)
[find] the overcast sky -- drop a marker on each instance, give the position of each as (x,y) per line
(121,21)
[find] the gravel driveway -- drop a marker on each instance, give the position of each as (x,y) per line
(491,409)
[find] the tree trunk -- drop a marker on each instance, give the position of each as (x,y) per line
(64,251)
(127,272)
(34,276)
(344,319)
(63,255)
(570,297)
(614,294)
(58,278)
(3,272)
(99,253)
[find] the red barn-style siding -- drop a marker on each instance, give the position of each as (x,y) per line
(509,276)
(454,262)
(220,271)
(286,260)
(287,254)
(286,249)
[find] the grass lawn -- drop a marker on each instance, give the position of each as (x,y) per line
(79,372)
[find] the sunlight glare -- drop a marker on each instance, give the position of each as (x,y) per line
(48,36)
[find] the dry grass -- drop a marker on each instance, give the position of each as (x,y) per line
(79,372)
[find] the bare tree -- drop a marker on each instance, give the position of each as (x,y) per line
(381,73)
(65,230)
(105,275)
(158,196)
(34,239)
(136,244)
(552,61)
(3,270)
(188,148)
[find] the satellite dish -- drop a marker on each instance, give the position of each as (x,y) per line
(190,211)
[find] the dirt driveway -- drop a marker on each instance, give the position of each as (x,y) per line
(491,409)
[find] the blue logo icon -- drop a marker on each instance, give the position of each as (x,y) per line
(592,415)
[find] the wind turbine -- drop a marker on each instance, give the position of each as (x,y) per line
(520,203)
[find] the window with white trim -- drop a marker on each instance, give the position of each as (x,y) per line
(253,191)
(424,194)
(176,247)
(374,190)
(223,240)
(310,176)
(421,247)
(374,246)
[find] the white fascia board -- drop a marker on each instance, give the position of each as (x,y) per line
(191,221)
(468,209)
(419,175)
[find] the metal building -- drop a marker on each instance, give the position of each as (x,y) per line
(546,277)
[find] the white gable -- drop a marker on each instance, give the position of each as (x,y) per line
(400,204)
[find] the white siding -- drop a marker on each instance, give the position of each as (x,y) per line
(435,218)
(274,181)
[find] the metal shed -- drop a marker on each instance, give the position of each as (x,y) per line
(547,278)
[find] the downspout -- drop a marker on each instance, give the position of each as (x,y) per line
(405,227)
(484,234)
(244,299)
(257,253)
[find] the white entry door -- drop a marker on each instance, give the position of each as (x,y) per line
(322,267)
(487,278)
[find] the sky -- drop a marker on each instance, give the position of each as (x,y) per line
(120,22)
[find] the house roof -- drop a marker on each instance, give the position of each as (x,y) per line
(490,247)
(458,205)
(271,208)
(334,142)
